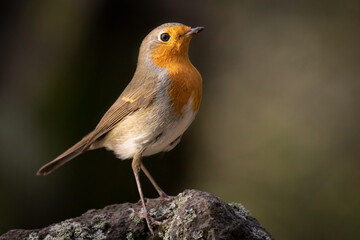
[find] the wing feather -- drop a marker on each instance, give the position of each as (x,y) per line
(129,102)
(123,106)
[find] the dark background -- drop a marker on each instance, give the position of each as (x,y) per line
(278,129)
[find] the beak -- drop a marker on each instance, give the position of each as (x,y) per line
(194,31)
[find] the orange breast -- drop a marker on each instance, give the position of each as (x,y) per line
(185,83)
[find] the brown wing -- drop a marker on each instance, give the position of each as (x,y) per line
(128,102)
(124,105)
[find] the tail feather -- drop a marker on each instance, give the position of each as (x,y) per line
(69,154)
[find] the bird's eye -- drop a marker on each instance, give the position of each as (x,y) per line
(164,37)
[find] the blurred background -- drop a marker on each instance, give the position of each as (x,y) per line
(278,129)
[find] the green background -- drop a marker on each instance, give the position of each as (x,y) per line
(278,128)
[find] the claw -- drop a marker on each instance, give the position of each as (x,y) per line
(153,221)
(149,220)
(164,196)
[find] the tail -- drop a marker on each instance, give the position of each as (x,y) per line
(69,154)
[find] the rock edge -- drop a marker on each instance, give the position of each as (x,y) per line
(190,215)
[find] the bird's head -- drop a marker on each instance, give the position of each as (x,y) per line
(168,43)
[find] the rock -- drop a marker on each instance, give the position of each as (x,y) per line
(190,215)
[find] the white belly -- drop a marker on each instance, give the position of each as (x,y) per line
(173,132)
(147,135)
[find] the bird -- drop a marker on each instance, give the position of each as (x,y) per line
(154,110)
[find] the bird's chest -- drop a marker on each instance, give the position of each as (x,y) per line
(185,85)
(183,92)
(159,127)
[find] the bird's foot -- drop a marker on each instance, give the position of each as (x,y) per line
(143,214)
(164,196)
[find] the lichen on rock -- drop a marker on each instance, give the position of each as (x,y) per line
(190,215)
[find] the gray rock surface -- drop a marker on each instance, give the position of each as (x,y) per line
(190,215)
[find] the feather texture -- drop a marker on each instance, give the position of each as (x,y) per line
(127,103)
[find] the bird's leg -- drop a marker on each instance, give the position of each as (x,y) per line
(161,193)
(136,166)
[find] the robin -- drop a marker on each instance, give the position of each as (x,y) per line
(153,111)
